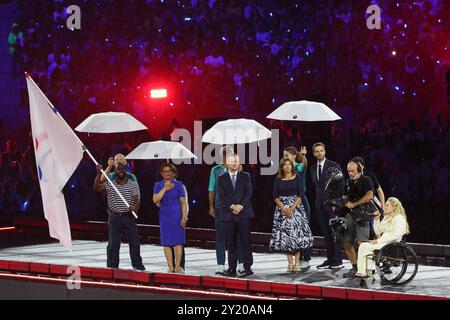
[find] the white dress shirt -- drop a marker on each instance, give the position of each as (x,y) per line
(321,163)
(231,177)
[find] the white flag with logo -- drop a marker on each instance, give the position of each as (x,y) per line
(58,152)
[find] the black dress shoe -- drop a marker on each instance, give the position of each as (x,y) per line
(141,268)
(248,272)
(334,266)
(230,273)
(325,265)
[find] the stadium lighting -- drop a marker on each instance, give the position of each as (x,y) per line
(158,93)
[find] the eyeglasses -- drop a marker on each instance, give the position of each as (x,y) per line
(166,171)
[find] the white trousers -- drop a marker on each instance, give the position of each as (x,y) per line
(364,261)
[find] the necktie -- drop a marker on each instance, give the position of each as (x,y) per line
(233,180)
(320,171)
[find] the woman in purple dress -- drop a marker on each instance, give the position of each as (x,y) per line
(169,194)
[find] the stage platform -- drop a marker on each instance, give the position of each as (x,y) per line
(48,263)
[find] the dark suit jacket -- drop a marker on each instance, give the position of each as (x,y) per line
(319,185)
(242,195)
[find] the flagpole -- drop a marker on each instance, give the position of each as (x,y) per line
(27,75)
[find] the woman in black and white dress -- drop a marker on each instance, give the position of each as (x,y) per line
(290,231)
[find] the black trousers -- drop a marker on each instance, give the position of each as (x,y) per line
(334,249)
(118,225)
(232,230)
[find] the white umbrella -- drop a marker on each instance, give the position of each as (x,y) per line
(236,131)
(304,111)
(110,122)
(161,150)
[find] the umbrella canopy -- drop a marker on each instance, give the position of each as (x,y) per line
(110,122)
(304,111)
(161,150)
(236,131)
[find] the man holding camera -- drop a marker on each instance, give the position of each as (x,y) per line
(360,194)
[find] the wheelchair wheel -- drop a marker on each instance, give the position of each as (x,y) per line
(397,264)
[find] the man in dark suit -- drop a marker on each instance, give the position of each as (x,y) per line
(235,193)
(320,173)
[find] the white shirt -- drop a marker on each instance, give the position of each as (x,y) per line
(232,174)
(231,177)
(320,163)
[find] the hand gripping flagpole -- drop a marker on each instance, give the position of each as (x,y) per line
(27,75)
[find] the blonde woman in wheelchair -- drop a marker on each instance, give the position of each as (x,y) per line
(392,229)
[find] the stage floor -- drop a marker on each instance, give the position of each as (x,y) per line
(430,280)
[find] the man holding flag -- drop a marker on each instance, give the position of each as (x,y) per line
(120,216)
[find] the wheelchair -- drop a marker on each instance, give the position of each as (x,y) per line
(396,264)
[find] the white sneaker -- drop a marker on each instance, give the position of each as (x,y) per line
(220,269)
(240,268)
(304,264)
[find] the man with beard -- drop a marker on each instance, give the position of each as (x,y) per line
(320,173)
(121,219)
(359,194)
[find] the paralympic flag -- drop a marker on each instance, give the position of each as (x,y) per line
(58,153)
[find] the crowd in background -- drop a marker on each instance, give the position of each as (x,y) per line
(238,56)
(245,58)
